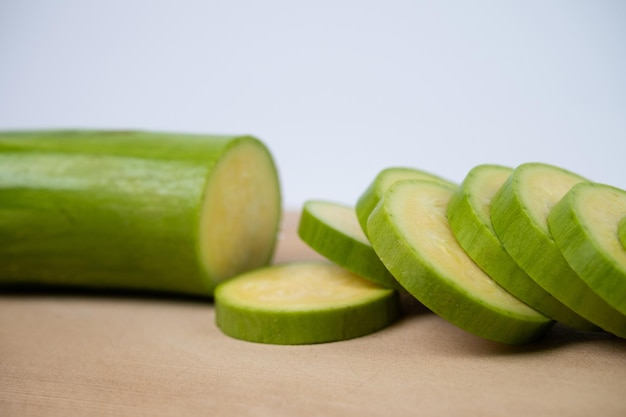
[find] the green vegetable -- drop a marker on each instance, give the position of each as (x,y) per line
(302,303)
(134,210)
(622,231)
(333,231)
(469,216)
(583,225)
(410,232)
(519,214)
(374,192)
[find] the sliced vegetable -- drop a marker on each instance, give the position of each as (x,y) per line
(519,214)
(333,231)
(134,210)
(375,191)
(411,234)
(622,232)
(469,216)
(302,303)
(583,226)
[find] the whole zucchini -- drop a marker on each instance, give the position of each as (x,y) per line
(135,210)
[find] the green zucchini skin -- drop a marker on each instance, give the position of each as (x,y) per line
(112,209)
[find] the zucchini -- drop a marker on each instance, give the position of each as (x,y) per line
(583,225)
(469,216)
(135,210)
(519,214)
(411,234)
(621,231)
(302,303)
(333,231)
(369,198)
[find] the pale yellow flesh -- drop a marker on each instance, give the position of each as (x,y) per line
(600,211)
(546,186)
(339,217)
(393,176)
(485,189)
(300,287)
(241,196)
(426,228)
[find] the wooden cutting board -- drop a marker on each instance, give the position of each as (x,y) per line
(99,355)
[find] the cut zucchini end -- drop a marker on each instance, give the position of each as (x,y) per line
(411,234)
(241,211)
(302,303)
(333,231)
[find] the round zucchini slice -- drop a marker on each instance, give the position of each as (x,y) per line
(519,214)
(469,216)
(583,225)
(375,191)
(303,303)
(332,230)
(410,232)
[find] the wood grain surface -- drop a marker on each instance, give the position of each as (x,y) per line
(69,354)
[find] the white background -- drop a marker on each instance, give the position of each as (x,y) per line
(337,89)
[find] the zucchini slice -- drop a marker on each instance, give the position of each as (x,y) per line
(135,210)
(410,232)
(583,225)
(469,216)
(519,214)
(302,303)
(374,192)
(332,230)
